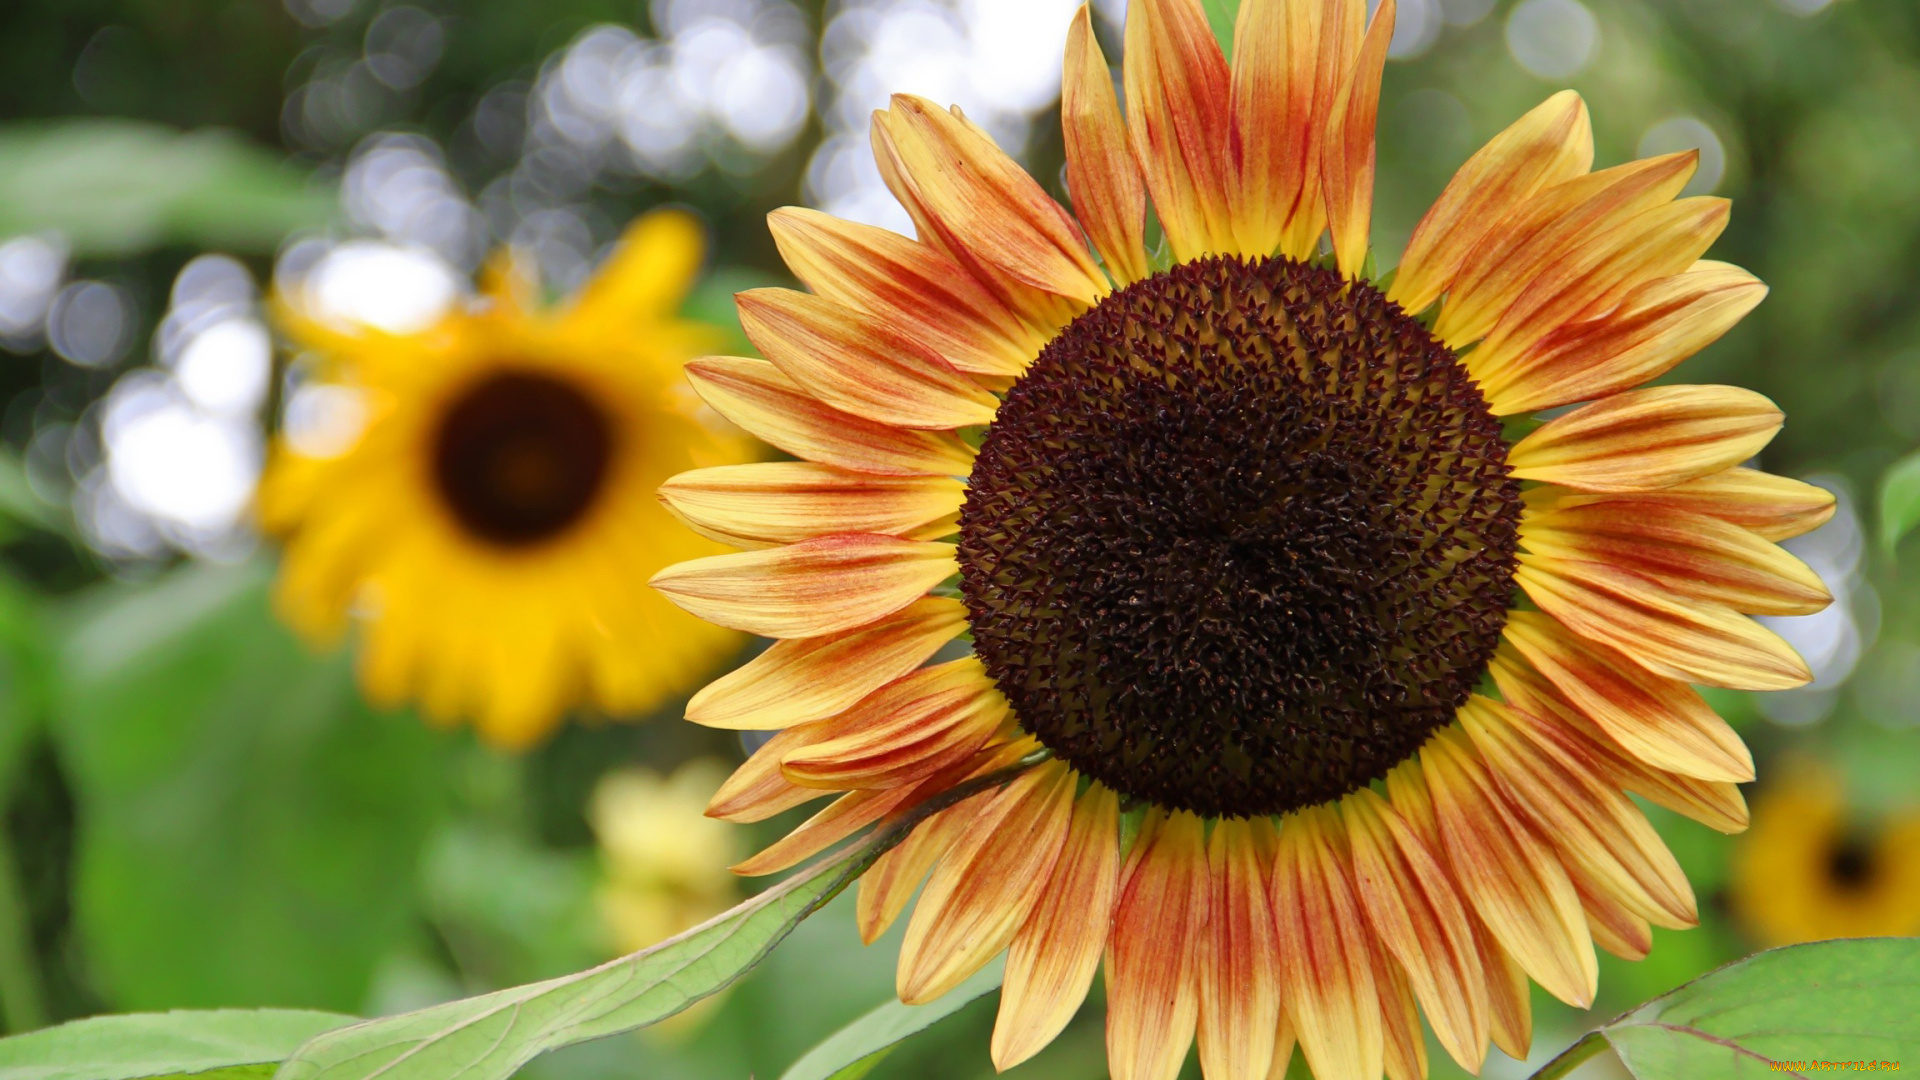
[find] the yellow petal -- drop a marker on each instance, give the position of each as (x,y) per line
(894,877)
(1177,88)
(809,589)
(1348,165)
(781,502)
(755,395)
(796,681)
(1109,195)
(1648,439)
(1404,1043)
(1551,144)
(858,365)
(1326,961)
(845,816)
(1153,1000)
(1509,996)
(649,273)
(1771,507)
(1054,955)
(906,731)
(1239,981)
(757,790)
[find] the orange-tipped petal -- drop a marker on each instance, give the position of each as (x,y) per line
(1663,722)
(908,285)
(905,731)
(845,816)
(1640,618)
(858,365)
(1548,714)
(1695,556)
(1348,166)
(1530,245)
(1178,88)
(1153,998)
(1109,195)
(1413,909)
(1551,144)
(1660,324)
(781,502)
(1054,955)
(1613,924)
(1604,841)
(1648,439)
(1771,507)
(1326,956)
(990,203)
(1515,883)
(757,396)
(1239,982)
(806,679)
(981,893)
(890,883)
(809,589)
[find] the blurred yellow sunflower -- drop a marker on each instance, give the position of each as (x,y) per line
(491,526)
(1813,869)
(1237,534)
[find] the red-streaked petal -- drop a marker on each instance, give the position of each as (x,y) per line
(1640,618)
(782,502)
(1515,883)
(1051,963)
(1348,165)
(1509,996)
(980,894)
(1326,957)
(1109,194)
(1771,507)
(1656,327)
(1239,981)
(1404,1043)
(1178,88)
(905,731)
(908,285)
(858,365)
(1648,439)
(757,396)
(806,679)
(845,816)
(1153,998)
(809,589)
(1551,144)
(757,790)
(891,882)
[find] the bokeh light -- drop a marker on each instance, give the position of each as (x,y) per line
(1553,39)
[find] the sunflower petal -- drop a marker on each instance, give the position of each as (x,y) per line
(1614,926)
(1648,439)
(1549,145)
(757,396)
(806,679)
(649,274)
(757,790)
(890,883)
(843,817)
(905,731)
(782,502)
(1412,907)
(1055,953)
(980,894)
(1515,884)
(1509,996)
(1695,556)
(1348,167)
(908,285)
(1326,957)
(1239,983)
(858,365)
(1771,507)
(809,589)
(1153,998)
(1109,195)
(1637,616)
(1656,327)
(1404,1044)
(1177,88)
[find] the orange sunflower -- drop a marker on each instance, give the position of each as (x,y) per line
(1323,679)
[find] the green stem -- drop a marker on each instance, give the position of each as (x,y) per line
(1573,1057)
(20,1000)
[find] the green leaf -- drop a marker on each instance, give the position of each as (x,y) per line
(249,831)
(1830,1001)
(1900,500)
(118,187)
(1220,17)
(854,1050)
(225,1043)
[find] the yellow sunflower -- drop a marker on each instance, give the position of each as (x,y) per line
(1237,535)
(1811,869)
(492,524)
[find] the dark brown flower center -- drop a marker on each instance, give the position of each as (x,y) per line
(1241,539)
(1850,861)
(520,456)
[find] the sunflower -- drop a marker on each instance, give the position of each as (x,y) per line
(1813,869)
(490,525)
(1321,673)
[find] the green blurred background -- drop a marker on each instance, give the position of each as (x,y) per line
(199,812)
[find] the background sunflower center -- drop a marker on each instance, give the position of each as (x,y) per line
(1240,539)
(521,456)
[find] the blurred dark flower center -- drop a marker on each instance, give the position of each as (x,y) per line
(520,456)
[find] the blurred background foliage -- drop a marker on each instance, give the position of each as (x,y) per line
(199,812)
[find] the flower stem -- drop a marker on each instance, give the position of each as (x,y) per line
(1572,1057)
